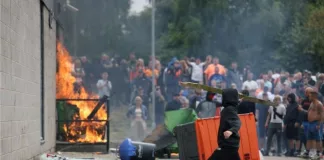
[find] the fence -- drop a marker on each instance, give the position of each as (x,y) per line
(74,139)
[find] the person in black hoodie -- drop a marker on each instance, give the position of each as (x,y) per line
(228,133)
(291,123)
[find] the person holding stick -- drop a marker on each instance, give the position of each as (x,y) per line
(228,132)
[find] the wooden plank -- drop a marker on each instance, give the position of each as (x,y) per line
(219,91)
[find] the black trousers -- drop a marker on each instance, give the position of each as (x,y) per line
(225,154)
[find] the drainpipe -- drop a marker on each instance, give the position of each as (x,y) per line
(42,51)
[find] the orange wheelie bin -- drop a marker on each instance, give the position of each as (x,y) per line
(207,130)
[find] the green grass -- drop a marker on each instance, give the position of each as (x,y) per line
(119,124)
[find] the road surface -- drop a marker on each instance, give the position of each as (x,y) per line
(270,158)
(281,158)
(113,156)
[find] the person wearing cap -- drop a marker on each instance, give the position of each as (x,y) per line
(172,79)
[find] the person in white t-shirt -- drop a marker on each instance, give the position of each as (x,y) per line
(250,84)
(274,124)
(266,90)
(276,74)
(104,85)
(197,70)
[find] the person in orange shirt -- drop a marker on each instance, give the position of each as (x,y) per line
(210,70)
(149,73)
(260,89)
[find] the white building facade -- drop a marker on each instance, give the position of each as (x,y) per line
(27,79)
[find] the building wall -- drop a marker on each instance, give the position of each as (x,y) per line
(20,81)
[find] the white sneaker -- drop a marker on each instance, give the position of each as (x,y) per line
(315,157)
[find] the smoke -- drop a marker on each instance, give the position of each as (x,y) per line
(248,33)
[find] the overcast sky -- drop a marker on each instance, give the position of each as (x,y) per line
(138,5)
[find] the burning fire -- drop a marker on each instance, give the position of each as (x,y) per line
(78,131)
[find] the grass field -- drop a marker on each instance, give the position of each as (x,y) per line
(120,125)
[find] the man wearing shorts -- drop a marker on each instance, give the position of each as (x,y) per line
(303,122)
(290,123)
(313,131)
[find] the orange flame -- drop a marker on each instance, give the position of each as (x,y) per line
(84,131)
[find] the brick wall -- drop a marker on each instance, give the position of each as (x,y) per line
(20,81)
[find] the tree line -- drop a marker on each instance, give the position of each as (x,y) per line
(265,34)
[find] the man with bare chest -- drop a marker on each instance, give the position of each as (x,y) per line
(314,129)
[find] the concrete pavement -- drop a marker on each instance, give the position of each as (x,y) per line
(267,158)
(112,156)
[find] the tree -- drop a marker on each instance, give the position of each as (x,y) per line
(99,26)
(138,29)
(232,30)
(301,43)
(264,34)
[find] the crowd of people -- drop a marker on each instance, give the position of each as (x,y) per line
(295,120)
